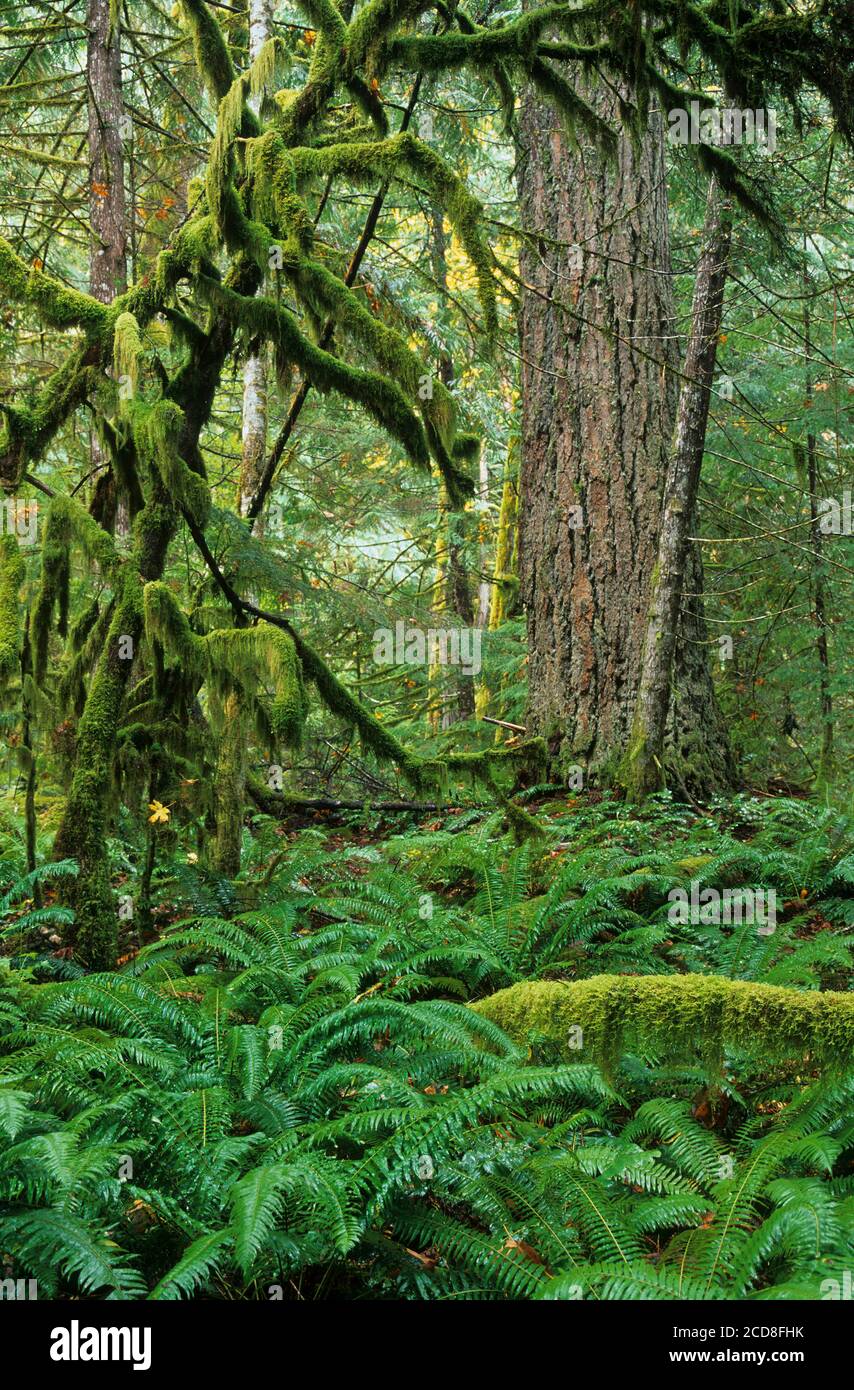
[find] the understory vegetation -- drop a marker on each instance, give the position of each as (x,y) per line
(289,1095)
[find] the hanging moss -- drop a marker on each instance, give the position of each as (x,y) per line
(406,153)
(26,431)
(158,431)
(55,303)
(11,579)
(127,349)
(331,296)
(235,662)
(676,1016)
(67,523)
(83,832)
(209,45)
(85,638)
(263,318)
(167,623)
(248,657)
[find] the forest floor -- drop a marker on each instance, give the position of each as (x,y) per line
(297,1081)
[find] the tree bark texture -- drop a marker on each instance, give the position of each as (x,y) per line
(600,390)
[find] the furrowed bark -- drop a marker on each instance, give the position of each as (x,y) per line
(596,417)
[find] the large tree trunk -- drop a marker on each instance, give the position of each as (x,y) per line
(600,389)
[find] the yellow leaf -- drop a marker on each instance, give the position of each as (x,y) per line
(159,813)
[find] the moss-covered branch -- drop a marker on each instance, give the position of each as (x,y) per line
(55,303)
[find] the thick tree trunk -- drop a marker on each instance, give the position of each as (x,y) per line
(643,768)
(600,389)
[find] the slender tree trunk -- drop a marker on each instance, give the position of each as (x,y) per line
(230,784)
(484,586)
(254,441)
(30,757)
(825,762)
(504,584)
(451,574)
(505,581)
(107,207)
(643,768)
(600,390)
(231,765)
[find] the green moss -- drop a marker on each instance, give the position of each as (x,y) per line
(127,348)
(236,663)
(229,783)
(405,153)
(210,47)
(67,523)
(157,431)
(27,430)
(83,832)
(11,579)
(676,1016)
(639,772)
(263,318)
(54,302)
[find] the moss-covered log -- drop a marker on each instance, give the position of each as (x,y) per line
(675,1016)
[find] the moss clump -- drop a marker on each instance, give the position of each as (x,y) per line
(127,348)
(676,1016)
(28,429)
(55,303)
(157,430)
(234,663)
(11,578)
(406,154)
(382,398)
(210,48)
(67,522)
